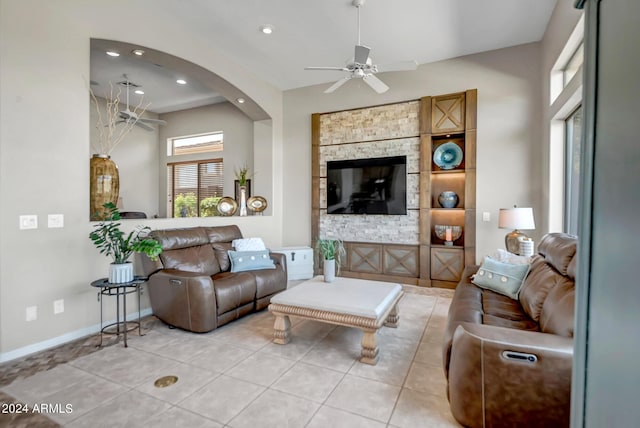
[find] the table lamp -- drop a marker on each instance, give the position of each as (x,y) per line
(515,218)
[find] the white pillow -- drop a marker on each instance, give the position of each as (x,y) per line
(248,244)
(510,258)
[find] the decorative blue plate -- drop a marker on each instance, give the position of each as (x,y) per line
(448,155)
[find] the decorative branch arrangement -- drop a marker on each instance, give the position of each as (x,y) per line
(242,174)
(112,129)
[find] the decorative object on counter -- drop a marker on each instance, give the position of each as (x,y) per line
(111,241)
(242,188)
(448,233)
(525,246)
(448,199)
(448,156)
(227,206)
(515,218)
(257,204)
(104,185)
(332,251)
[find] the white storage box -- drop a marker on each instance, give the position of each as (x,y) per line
(299,261)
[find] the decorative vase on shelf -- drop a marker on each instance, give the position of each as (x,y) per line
(448,199)
(104,185)
(243,201)
(329,270)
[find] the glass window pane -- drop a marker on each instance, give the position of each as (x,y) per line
(213,142)
(574,64)
(572,170)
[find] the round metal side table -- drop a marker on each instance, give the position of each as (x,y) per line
(119,290)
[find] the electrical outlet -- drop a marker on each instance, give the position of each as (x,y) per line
(55,220)
(32,313)
(58,306)
(486,216)
(28,222)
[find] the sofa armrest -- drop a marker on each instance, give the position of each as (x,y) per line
(506,377)
(280,261)
(184,299)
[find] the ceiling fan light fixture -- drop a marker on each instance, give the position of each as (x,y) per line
(266,29)
(112,53)
(241,100)
(138,52)
(139,92)
(181,82)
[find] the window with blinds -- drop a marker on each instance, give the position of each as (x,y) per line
(195,187)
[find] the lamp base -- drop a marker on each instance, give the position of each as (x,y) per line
(511,242)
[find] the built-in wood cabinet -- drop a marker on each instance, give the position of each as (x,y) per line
(448,162)
(417,129)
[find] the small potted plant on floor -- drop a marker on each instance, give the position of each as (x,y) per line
(111,241)
(332,251)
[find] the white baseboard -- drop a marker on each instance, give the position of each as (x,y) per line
(67,337)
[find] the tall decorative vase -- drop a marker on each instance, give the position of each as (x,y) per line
(104,184)
(329,270)
(243,201)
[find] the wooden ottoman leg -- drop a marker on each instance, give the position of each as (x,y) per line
(393,318)
(369,347)
(281,329)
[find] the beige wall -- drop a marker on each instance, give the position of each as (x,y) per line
(44,155)
(509,135)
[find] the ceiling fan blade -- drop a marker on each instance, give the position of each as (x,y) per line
(327,68)
(158,121)
(398,66)
(125,114)
(361,55)
(144,126)
(375,83)
(337,85)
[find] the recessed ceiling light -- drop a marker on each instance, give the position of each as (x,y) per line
(138,52)
(240,100)
(181,82)
(113,53)
(139,92)
(266,29)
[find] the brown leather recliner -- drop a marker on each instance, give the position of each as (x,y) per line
(508,362)
(191,287)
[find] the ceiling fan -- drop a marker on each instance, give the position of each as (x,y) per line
(128,116)
(361,65)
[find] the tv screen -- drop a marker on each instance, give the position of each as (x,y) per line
(367,186)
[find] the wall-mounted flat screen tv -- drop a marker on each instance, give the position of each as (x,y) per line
(367,186)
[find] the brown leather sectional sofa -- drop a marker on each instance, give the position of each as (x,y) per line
(508,362)
(191,286)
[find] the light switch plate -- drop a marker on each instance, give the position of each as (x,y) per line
(28,222)
(486,216)
(55,220)
(58,306)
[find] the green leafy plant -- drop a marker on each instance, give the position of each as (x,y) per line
(242,174)
(331,249)
(111,241)
(185,205)
(209,206)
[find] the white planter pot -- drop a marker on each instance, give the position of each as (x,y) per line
(120,273)
(329,267)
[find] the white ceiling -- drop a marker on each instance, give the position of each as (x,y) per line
(324,32)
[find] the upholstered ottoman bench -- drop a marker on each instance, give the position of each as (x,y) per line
(367,305)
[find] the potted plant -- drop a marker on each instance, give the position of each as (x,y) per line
(111,241)
(332,251)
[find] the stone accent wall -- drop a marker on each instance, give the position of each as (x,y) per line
(381,131)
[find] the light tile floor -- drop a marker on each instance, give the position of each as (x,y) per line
(236,377)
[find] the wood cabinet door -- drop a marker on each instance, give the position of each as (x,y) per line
(365,258)
(447,113)
(447,264)
(402,260)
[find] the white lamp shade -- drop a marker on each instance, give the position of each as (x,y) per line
(516,218)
